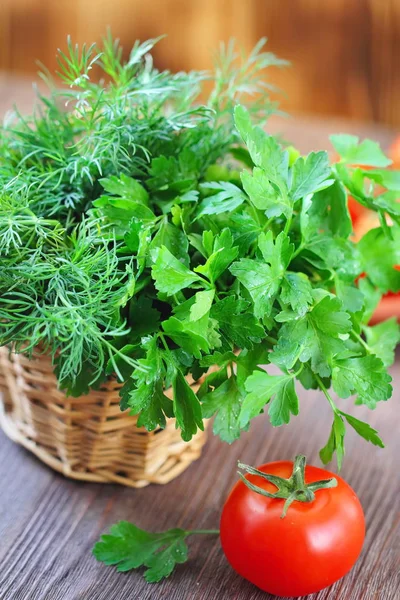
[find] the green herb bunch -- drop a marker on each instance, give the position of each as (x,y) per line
(147,236)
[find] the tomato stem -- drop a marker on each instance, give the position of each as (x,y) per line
(291,489)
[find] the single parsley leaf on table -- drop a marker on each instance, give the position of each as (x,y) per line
(128,547)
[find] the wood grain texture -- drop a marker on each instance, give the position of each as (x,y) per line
(344,54)
(49,524)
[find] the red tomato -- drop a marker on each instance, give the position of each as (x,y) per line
(356,209)
(313,546)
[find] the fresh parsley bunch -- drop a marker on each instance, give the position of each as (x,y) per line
(147,236)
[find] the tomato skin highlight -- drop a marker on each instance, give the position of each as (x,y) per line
(311,548)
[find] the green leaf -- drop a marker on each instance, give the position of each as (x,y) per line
(220,359)
(257,278)
(335,442)
(260,279)
(187,409)
(191,336)
(202,304)
(283,404)
(119,212)
(326,212)
(228,198)
(379,257)
(125,187)
(173,239)
(149,402)
(243,121)
(277,253)
(262,194)
(239,327)
(169,274)
(365,430)
(297,291)
(310,175)
(365,376)
(383,338)
(352,298)
(261,387)
(245,231)
(264,150)
(372,297)
(143,317)
(221,254)
(224,402)
(129,547)
(315,337)
(353,152)
(389,179)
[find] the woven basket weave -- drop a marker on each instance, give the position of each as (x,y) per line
(86,438)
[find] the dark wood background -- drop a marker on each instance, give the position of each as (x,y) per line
(48,524)
(344,53)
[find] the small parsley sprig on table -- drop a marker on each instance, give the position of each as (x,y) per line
(147,236)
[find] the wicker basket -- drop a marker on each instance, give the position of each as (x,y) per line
(86,438)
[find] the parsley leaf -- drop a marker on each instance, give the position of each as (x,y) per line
(315,337)
(187,409)
(129,547)
(261,387)
(363,429)
(228,198)
(310,175)
(264,150)
(169,274)
(354,152)
(379,256)
(262,280)
(263,196)
(365,376)
(238,326)
(383,338)
(224,402)
(149,401)
(173,239)
(297,291)
(223,253)
(335,442)
(202,304)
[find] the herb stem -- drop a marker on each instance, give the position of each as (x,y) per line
(164,342)
(298,250)
(288,224)
(362,342)
(327,394)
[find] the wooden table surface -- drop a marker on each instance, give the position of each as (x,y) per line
(49,524)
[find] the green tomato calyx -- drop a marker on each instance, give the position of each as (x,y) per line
(291,489)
